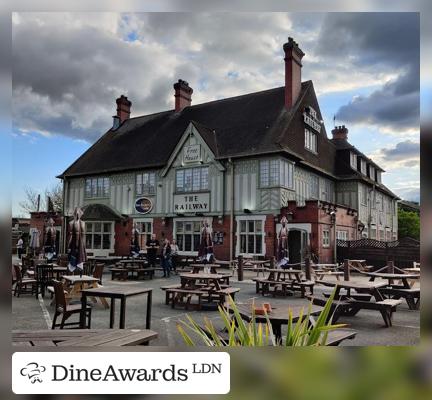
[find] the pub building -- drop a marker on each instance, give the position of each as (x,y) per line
(241,164)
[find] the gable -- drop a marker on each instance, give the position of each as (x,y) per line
(191,150)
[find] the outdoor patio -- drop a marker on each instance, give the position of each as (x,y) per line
(31,314)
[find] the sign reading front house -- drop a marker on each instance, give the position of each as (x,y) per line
(185,203)
(192,153)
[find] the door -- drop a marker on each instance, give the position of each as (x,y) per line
(294,246)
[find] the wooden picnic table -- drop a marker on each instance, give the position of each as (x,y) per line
(279,274)
(82,337)
(277,317)
(392,277)
(135,262)
(196,268)
(351,305)
(189,281)
(79,283)
(121,293)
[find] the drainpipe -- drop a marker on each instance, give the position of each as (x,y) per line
(64,231)
(232,211)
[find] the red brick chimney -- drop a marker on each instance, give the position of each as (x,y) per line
(123,108)
(293,65)
(340,132)
(182,95)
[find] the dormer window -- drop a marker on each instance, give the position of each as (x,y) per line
(371,172)
(378,176)
(353,160)
(363,167)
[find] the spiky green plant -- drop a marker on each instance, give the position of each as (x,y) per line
(241,333)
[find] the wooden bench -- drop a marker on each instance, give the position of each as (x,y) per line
(145,272)
(357,296)
(177,296)
(385,307)
(302,286)
(320,274)
(337,336)
(284,285)
(168,294)
(120,273)
(229,291)
(411,296)
(258,283)
(337,308)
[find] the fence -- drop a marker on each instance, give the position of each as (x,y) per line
(403,252)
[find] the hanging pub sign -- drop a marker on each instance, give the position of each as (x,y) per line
(192,153)
(143,205)
(199,202)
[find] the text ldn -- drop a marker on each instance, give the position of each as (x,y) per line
(62,373)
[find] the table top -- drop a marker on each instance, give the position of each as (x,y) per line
(353,284)
(256,262)
(285,270)
(205,265)
(387,275)
(279,312)
(79,279)
(119,291)
(357,260)
(133,260)
(82,337)
(201,276)
(414,269)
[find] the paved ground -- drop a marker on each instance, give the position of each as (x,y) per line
(29,313)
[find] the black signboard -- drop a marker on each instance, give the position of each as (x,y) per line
(143,205)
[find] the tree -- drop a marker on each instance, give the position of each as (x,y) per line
(30,203)
(408,224)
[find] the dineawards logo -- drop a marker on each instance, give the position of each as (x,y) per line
(33,371)
(121,373)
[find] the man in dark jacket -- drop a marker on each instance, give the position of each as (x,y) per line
(152,248)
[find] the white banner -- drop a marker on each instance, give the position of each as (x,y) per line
(120,373)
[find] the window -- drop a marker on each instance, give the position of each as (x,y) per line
(314,187)
(326,238)
(373,232)
(378,176)
(276,173)
(145,229)
(379,202)
(371,172)
(192,179)
(353,160)
(363,194)
(99,235)
(250,236)
(342,235)
(326,194)
(381,235)
(188,235)
(363,167)
(310,141)
(97,187)
(145,183)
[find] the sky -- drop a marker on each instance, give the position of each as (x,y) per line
(68,69)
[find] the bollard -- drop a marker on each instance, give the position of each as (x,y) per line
(308,269)
(390,267)
(346,269)
(240,268)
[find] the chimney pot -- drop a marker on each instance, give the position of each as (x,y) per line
(123,108)
(340,132)
(293,65)
(182,95)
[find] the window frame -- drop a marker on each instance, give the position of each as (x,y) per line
(100,187)
(142,241)
(101,232)
(353,160)
(311,141)
(275,173)
(255,218)
(190,173)
(326,238)
(151,175)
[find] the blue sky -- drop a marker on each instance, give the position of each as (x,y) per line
(69,68)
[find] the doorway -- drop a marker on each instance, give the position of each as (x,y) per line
(297,242)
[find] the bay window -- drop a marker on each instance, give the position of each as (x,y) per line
(276,173)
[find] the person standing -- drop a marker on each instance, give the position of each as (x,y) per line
(174,255)
(152,245)
(20,245)
(166,258)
